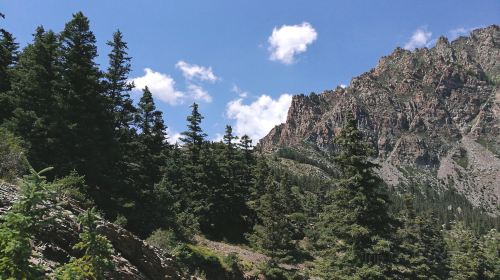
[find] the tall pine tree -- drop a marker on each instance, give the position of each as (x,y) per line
(8,58)
(355,225)
(35,82)
(117,82)
(421,251)
(194,136)
(86,125)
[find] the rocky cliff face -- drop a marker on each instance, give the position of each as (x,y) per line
(133,258)
(433,116)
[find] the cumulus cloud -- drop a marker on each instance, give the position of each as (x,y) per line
(289,40)
(173,137)
(193,71)
(162,86)
(196,92)
(420,38)
(259,117)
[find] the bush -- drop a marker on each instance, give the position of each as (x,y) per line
(165,240)
(73,187)
(13,162)
(271,271)
(209,263)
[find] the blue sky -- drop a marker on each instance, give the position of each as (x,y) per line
(242,60)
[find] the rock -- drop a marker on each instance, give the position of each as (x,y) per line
(133,259)
(415,108)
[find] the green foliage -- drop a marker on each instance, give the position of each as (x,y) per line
(71,186)
(12,158)
(59,108)
(274,231)
(97,251)
(166,240)
(472,258)
(8,58)
(421,252)
(211,264)
(35,85)
(355,226)
(20,225)
(295,155)
(271,271)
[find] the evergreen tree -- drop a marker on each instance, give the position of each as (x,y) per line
(273,233)
(152,149)
(8,58)
(230,145)
(86,125)
(421,252)
(355,226)
(20,225)
(152,137)
(117,82)
(194,137)
(468,256)
(97,250)
(245,146)
(35,81)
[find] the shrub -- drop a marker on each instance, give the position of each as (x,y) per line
(13,162)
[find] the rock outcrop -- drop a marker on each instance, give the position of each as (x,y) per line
(433,111)
(133,258)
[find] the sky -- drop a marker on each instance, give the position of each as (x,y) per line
(242,61)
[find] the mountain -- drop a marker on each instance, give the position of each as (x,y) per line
(431,115)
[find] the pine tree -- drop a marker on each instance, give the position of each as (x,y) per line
(230,145)
(273,232)
(35,81)
(355,226)
(117,82)
(152,136)
(194,137)
(245,146)
(8,58)
(150,123)
(86,130)
(151,154)
(20,225)
(468,256)
(421,252)
(97,252)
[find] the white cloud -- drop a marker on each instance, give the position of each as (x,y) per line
(343,85)
(457,32)
(193,71)
(173,137)
(259,117)
(289,40)
(241,93)
(196,92)
(420,38)
(162,86)
(218,137)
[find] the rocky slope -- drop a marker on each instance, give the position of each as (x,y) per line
(432,115)
(133,258)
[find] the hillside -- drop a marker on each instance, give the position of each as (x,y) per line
(432,115)
(133,258)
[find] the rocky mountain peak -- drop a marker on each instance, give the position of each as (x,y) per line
(432,111)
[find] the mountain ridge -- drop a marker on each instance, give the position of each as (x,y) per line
(432,115)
